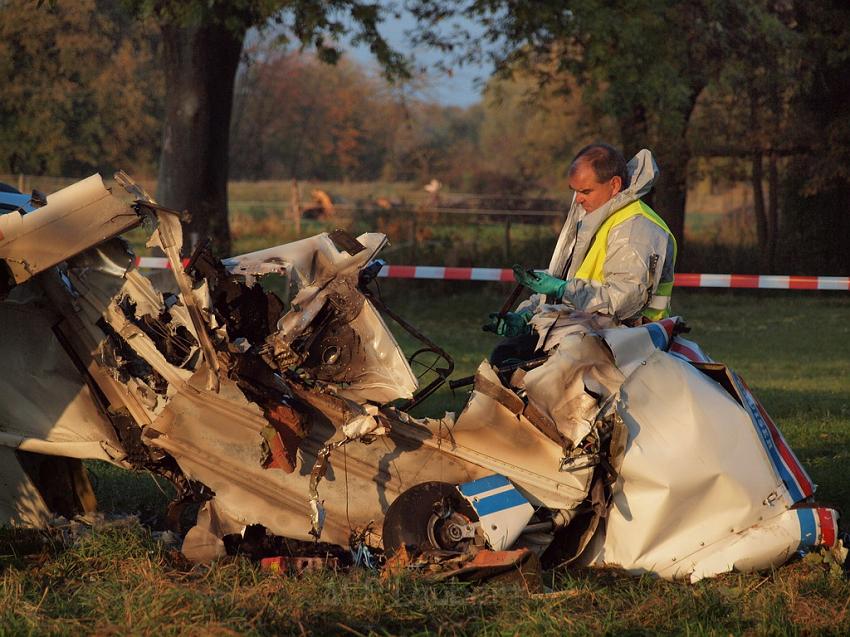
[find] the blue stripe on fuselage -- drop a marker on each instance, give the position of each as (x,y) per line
(658,335)
(498,502)
(481,485)
(808,528)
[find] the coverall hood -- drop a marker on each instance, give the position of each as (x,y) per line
(643,171)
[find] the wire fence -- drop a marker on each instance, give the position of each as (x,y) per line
(460,230)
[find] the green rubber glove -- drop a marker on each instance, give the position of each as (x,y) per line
(540,282)
(509,324)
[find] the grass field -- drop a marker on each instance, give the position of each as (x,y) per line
(794,351)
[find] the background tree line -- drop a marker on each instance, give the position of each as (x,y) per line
(753,91)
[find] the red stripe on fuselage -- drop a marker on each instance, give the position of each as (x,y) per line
(784,450)
(827,526)
(686,351)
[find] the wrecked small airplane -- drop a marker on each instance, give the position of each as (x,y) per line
(269,388)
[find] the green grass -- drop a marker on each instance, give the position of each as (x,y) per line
(794,351)
(121,581)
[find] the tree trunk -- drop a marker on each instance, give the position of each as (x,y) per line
(772,212)
(671,193)
(757,176)
(200,68)
(670,149)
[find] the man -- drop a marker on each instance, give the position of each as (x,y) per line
(614,256)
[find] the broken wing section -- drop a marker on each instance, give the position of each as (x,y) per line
(74,219)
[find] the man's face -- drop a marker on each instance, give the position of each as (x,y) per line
(591,193)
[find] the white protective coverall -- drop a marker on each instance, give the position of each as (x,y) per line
(633,246)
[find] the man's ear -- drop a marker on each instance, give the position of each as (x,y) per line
(617,183)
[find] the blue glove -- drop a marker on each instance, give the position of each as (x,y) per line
(540,282)
(508,324)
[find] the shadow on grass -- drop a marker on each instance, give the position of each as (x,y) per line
(124,492)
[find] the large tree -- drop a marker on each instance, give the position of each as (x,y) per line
(747,118)
(642,62)
(817,182)
(295,117)
(79,91)
(202,46)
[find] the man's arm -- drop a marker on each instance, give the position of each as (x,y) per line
(636,253)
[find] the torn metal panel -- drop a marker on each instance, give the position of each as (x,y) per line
(572,386)
(312,258)
(330,329)
(694,474)
(495,437)
(169,237)
(224,451)
(44,403)
(379,371)
(769,543)
(74,219)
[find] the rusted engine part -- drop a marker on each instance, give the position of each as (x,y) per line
(323,346)
(288,423)
(361,357)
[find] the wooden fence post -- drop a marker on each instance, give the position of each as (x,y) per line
(296,207)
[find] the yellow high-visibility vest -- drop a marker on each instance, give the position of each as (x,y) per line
(591,268)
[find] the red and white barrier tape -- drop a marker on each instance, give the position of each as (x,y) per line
(749,281)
